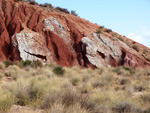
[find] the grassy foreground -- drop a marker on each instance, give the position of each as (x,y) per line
(73,90)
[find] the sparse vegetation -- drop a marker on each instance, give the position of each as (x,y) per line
(98,31)
(135,47)
(62,10)
(108,30)
(58,70)
(84,90)
(120,38)
(47,5)
(7,63)
(74,13)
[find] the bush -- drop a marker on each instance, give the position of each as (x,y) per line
(36,63)
(75,81)
(32,2)
(67,98)
(19,0)
(58,70)
(98,31)
(101,27)
(125,107)
(7,63)
(74,13)
(135,47)
(124,70)
(47,5)
(62,10)
(27,92)
(14,72)
(108,30)
(129,69)
(23,63)
(5,103)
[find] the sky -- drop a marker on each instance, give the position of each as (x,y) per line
(130,18)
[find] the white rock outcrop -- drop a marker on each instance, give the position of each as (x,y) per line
(100,48)
(31,46)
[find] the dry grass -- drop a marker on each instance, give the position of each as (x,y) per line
(103,90)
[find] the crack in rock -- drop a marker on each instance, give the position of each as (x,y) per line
(37,55)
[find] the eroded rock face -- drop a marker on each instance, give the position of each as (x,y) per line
(51,24)
(104,51)
(31,46)
(30,32)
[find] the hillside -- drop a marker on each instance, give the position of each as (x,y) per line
(39,32)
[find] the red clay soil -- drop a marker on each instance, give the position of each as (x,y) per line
(17,16)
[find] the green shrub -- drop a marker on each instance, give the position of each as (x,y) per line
(98,31)
(133,42)
(62,10)
(108,30)
(36,63)
(7,63)
(135,47)
(101,27)
(47,5)
(129,69)
(74,13)
(32,2)
(58,70)
(123,70)
(23,63)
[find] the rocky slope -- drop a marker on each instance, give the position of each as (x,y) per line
(31,32)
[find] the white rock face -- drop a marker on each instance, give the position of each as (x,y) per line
(100,48)
(32,46)
(52,25)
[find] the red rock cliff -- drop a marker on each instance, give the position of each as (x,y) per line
(30,32)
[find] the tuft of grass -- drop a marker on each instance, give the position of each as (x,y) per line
(7,63)
(36,63)
(126,107)
(58,70)
(2,65)
(25,63)
(125,71)
(6,101)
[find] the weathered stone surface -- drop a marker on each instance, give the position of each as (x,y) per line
(30,32)
(51,23)
(104,51)
(31,46)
